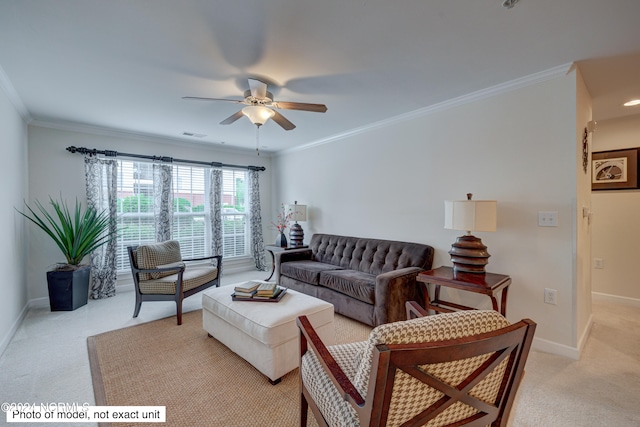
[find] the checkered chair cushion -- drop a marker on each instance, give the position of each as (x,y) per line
(409,395)
(151,256)
(192,277)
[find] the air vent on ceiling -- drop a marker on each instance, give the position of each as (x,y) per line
(194,135)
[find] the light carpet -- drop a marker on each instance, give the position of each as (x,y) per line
(199,380)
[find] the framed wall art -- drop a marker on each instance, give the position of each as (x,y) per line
(614,170)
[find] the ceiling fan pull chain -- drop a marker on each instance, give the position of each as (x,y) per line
(258,139)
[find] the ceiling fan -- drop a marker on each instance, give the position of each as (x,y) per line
(260,106)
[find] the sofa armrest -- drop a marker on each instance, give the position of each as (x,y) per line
(393,290)
(289,255)
(293,255)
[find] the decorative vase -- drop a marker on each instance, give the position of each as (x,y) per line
(281,240)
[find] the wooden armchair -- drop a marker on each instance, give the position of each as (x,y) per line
(452,369)
(160,274)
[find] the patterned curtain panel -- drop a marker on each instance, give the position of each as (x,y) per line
(255,221)
(215,210)
(101,181)
(163,200)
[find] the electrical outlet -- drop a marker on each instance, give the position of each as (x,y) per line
(550,296)
(548,219)
(598,263)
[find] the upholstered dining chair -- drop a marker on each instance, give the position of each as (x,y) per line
(451,369)
(160,274)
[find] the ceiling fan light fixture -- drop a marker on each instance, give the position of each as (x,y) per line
(257,114)
(509,3)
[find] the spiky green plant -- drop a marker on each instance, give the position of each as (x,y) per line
(76,235)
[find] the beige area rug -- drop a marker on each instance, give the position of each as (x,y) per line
(199,380)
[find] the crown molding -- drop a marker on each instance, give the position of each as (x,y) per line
(559,71)
(139,136)
(13,96)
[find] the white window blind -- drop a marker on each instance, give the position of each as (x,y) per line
(235,233)
(191,222)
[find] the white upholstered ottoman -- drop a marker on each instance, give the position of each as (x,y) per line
(265,333)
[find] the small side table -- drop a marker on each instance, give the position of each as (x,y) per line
(272,249)
(487,284)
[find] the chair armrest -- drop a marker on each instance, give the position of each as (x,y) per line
(414,310)
(217,257)
(334,371)
(177,268)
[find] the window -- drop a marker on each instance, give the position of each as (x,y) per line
(191,221)
(235,232)
(135,208)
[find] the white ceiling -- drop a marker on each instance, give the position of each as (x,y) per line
(125,64)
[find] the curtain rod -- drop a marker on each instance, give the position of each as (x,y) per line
(110,153)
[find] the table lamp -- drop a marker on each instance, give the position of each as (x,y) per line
(468,253)
(299,213)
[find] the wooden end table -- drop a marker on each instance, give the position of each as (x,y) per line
(272,249)
(487,284)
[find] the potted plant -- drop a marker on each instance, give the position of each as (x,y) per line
(77,235)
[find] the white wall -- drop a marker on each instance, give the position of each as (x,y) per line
(54,172)
(616,220)
(13,152)
(582,299)
(517,147)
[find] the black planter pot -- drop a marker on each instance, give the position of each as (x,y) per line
(68,290)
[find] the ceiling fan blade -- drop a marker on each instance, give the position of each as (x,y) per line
(232,118)
(316,108)
(282,121)
(258,88)
(196,98)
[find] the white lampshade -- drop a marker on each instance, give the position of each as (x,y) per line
(299,212)
(257,114)
(471,215)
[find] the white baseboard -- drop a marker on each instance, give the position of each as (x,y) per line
(41,302)
(585,335)
(14,327)
(574,353)
(545,346)
(597,296)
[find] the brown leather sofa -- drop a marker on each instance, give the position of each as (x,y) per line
(368,280)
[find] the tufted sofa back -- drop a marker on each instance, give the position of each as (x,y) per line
(371,256)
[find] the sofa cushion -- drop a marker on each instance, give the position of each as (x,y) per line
(305,271)
(356,284)
(192,277)
(373,256)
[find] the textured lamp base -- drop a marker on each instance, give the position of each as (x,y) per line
(469,255)
(296,236)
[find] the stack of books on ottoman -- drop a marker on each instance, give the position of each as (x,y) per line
(258,290)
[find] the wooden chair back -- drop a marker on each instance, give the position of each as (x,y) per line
(468,380)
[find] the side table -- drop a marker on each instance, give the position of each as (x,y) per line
(272,249)
(487,284)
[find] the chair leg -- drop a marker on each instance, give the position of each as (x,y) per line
(304,408)
(136,310)
(179,309)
